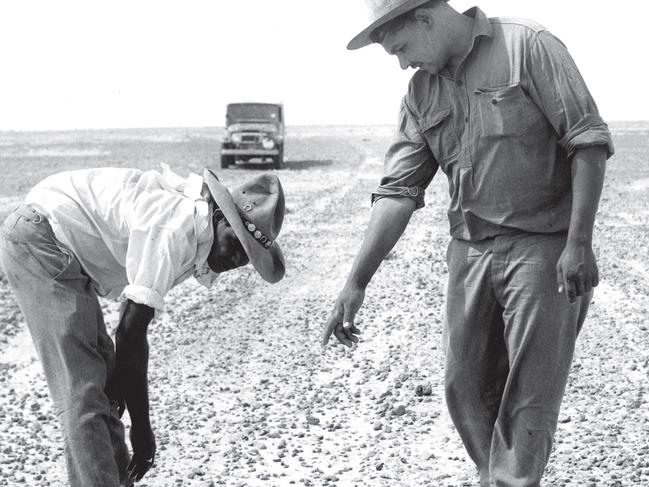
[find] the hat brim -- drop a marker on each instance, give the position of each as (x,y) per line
(364,38)
(268,262)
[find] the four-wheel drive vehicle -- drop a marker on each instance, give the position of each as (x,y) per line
(253,131)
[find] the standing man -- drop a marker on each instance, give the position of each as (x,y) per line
(130,234)
(499,106)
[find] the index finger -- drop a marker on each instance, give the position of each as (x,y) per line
(329,328)
(139,467)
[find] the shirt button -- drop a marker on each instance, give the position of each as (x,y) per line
(466,119)
(494,102)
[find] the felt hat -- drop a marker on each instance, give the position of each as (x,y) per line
(255,211)
(382,12)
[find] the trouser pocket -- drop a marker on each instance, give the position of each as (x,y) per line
(30,229)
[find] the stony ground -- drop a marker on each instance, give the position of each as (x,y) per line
(242,394)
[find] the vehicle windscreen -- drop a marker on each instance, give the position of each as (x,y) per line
(252,112)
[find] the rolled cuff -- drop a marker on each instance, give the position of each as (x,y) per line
(589,131)
(415,193)
(144,295)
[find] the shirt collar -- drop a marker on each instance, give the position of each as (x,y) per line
(481,24)
(481,28)
(202,271)
(204,275)
(192,188)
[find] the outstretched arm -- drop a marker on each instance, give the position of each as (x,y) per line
(577,271)
(389,219)
(128,384)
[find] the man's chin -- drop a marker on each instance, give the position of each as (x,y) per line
(222,269)
(218,269)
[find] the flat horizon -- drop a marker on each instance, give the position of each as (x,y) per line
(611,123)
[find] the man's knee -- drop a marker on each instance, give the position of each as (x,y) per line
(84,401)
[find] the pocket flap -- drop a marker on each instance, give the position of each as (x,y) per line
(434,118)
(500,93)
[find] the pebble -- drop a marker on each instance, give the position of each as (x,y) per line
(312,420)
(228,374)
(399,410)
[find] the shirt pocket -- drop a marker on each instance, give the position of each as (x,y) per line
(439,131)
(506,111)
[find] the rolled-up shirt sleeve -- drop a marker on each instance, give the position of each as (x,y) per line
(154,258)
(409,164)
(558,88)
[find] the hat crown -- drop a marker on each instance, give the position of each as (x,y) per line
(260,201)
(255,211)
(380,8)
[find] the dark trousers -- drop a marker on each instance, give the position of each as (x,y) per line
(509,338)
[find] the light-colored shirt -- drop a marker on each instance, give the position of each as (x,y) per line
(136,234)
(502,128)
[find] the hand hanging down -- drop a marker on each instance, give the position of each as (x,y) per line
(341,322)
(390,216)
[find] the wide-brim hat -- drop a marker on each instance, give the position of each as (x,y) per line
(382,12)
(255,211)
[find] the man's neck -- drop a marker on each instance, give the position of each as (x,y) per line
(462,40)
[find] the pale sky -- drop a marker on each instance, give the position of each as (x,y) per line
(157,63)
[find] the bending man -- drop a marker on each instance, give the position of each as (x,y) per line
(130,234)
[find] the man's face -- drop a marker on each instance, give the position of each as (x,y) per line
(418,44)
(227,252)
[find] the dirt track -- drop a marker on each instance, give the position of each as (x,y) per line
(241,393)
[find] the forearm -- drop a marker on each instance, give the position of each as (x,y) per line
(132,364)
(588,169)
(390,217)
(132,359)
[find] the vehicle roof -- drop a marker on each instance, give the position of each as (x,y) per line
(255,103)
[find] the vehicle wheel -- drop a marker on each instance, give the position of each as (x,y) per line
(278,160)
(226,161)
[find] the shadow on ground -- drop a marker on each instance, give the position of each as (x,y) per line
(307,164)
(291,165)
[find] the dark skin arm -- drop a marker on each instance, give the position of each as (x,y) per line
(577,271)
(390,217)
(128,385)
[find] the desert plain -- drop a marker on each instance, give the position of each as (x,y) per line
(242,393)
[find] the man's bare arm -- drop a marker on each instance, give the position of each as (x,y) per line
(390,217)
(577,271)
(129,383)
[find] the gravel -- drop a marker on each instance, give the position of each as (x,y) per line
(242,394)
